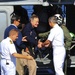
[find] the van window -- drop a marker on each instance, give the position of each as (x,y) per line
(29,9)
(2,24)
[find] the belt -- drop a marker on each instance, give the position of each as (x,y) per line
(7,63)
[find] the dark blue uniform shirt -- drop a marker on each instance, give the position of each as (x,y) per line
(18,43)
(29,31)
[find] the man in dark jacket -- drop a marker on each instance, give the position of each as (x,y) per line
(29,31)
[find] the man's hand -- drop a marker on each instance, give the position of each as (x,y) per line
(29,57)
(39,44)
(43,44)
(27,50)
(47,45)
(24,39)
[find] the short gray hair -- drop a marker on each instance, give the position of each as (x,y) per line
(33,16)
(52,19)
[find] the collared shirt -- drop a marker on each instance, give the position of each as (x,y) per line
(15,25)
(7,48)
(56,36)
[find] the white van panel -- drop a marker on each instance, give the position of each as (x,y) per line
(2,24)
(5,12)
(22,2)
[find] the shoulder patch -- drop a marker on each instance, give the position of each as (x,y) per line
(11,42)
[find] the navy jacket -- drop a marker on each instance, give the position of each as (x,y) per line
(30,32)
(18,43)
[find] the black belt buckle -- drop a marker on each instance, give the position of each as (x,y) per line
(7,62)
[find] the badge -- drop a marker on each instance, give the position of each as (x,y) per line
(11,42)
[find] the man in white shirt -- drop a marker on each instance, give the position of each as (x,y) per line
(9,54)
(56,39)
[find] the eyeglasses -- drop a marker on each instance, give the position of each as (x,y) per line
(19,21)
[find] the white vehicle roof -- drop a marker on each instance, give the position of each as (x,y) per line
(21,2)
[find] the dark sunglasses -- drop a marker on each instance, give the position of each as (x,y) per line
(18,21)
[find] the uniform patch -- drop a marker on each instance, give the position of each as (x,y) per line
(11,42)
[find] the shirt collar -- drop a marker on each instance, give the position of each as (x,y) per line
(14,25)
(55,25)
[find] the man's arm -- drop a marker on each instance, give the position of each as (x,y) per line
(68,38)
(46,43)
(17,55)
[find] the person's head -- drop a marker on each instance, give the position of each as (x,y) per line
(13,34)
(15,20)
(60,19)
(34,20)
(52,21)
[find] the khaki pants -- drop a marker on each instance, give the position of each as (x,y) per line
(20,63)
